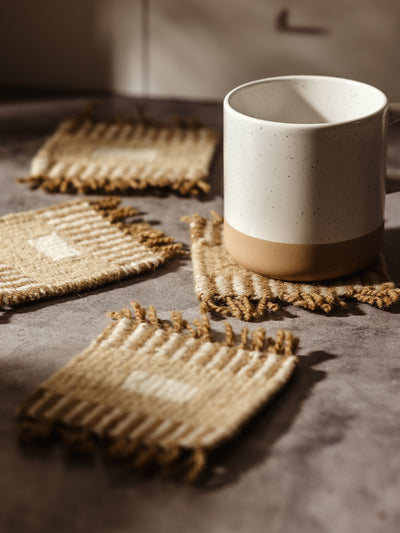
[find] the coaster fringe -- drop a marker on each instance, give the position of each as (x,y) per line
(201,329)
(144,233)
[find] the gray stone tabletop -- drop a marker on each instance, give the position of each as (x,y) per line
(322,457)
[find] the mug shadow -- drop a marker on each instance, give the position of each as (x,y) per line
(391,253)
(252,446)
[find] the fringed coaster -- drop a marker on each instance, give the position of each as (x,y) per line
(229,289)
(159,394)
(121,156)
(75,246)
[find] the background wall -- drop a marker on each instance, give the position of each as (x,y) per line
(195,48)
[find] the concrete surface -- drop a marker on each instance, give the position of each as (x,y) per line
(322,457)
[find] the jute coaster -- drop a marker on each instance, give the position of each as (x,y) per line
(121,156)
(75,246)
(229,289)
(159,393)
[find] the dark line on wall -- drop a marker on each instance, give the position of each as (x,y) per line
(145,37)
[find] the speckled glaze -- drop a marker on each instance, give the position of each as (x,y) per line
(304,159)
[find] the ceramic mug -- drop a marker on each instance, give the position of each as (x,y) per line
(304,175)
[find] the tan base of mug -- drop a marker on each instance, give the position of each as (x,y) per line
(302,262)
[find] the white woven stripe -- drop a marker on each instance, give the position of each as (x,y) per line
(169,346)
(97,130)
(53,411)
(76,219)
(91,169)
(148,346)
(202,285)
(157,386)
(92,415)
(105,169)
(58,169)
(239,286)
(291,289)
(270,361)
(136,335)
(217,357)
(111,131)
(13,286)
(274,286)
(191,439)
(92,223)
(125,131)
(73,170)
(84,129)
(126,247)
(67,210)
(214,435)
(308,289)
(99,427)
(122,426)
(33,409)
(188,345)
(143,427)
(132,170)
(118,333)
(324,291)
(203,351)
(254,358)
(208,234)
(285,370)
(54,246)
(222,285)
(125,153)
(70,415)
(138,132)
(181,430)
(20,288)
(161,430)
(258,290)
(235,359)
(342,290)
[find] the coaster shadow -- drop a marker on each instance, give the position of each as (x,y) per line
(253,444)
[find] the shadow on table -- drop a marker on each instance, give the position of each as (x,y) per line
(391,252)
(252,446)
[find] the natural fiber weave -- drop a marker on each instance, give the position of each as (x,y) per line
(121,156)
(229,289)
(75,246)
(158,393)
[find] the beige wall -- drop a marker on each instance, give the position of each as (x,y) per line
(195,48)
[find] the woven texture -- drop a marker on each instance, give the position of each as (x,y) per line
(159,393)
(85,156)
(229,289)
(75,246)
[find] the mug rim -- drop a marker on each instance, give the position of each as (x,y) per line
(228,106)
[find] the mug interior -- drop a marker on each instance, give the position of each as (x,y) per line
(307,100)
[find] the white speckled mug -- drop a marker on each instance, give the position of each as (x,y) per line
(304,175)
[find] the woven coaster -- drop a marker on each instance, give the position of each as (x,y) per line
(75,246)
(159,393)
(121,156)
(229,289)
